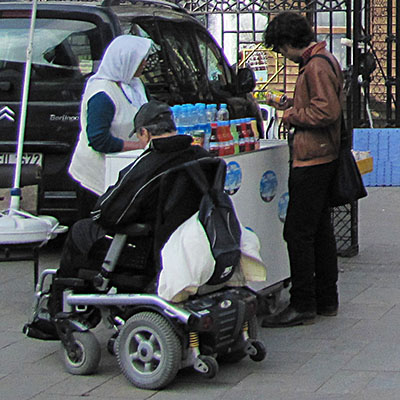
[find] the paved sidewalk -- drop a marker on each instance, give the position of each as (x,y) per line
(354,356)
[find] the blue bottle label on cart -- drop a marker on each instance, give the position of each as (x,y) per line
(268,186)
(233,178)
(282,206)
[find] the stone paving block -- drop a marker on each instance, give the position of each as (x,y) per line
(203,389)
(18,354)
(119,387)
(77,385)
(356,276)
(254,394)
(348,291)
(347,382)
(360,311)
(378,355)
(375,295)
(271,385)
(323,366)
(15,386)
(324,346)
(385,381)
(375,330)
(377,395)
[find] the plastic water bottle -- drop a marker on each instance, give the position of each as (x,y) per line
(203,124)
(176,113)
(223,113)
(182,118)
(201,113)
(211,112)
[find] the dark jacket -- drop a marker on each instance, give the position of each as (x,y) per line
(134,197)
(316,112)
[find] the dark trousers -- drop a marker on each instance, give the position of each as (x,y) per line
(310,239)
(75,254)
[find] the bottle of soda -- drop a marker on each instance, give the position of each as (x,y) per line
(221,138)
(213,142)
(245,134)
(252,138)
(241,136)
(235,136)
(256,133)
(228,138)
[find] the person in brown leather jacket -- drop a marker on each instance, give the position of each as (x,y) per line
(313,117)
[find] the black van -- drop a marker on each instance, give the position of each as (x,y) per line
(186,66)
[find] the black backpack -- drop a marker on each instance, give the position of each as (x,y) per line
(218,217)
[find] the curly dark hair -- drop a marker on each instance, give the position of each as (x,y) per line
(288,28)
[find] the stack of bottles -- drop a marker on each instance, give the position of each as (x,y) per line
(212,129)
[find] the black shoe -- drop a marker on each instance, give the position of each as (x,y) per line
(289,317)
(328,311)
(41,329)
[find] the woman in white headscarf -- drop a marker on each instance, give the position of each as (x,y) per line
(110,101)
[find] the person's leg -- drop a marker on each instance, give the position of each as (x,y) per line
(308,188)
(326,268)
(81,237)
(308,193)
(74,256)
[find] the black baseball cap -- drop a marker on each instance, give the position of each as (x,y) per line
(153,113)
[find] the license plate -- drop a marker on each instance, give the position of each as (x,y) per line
(27,158)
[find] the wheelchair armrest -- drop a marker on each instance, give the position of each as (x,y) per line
(71,282)
(134,230)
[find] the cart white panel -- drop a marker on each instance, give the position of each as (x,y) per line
(260,198)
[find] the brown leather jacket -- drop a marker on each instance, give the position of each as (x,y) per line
(316,111)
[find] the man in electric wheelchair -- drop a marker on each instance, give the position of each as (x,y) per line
(150,233)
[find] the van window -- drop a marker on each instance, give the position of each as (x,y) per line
(175,64)
(61,48)
(217,72)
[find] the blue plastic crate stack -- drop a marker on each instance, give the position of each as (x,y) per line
(384,146)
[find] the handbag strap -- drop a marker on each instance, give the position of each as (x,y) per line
(344,135)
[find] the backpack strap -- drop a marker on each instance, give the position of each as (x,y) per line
(344,136)
(325,58)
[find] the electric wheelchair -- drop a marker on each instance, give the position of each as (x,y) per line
(151,338)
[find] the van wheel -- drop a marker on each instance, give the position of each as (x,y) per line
(84,356)
(149,351)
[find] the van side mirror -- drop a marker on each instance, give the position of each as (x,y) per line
(245,81)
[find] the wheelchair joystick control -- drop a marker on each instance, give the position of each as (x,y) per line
(100,282)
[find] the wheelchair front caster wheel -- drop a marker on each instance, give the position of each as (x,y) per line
(209,366)
(83,356)
(261,351)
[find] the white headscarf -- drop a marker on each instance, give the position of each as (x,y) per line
(120,62)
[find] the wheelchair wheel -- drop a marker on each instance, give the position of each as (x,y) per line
(261,351)
(149,351)
(212,366)
(236,356)
(84,357)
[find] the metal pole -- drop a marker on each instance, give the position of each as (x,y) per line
(16,191)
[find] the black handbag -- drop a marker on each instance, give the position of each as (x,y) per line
(347,184)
